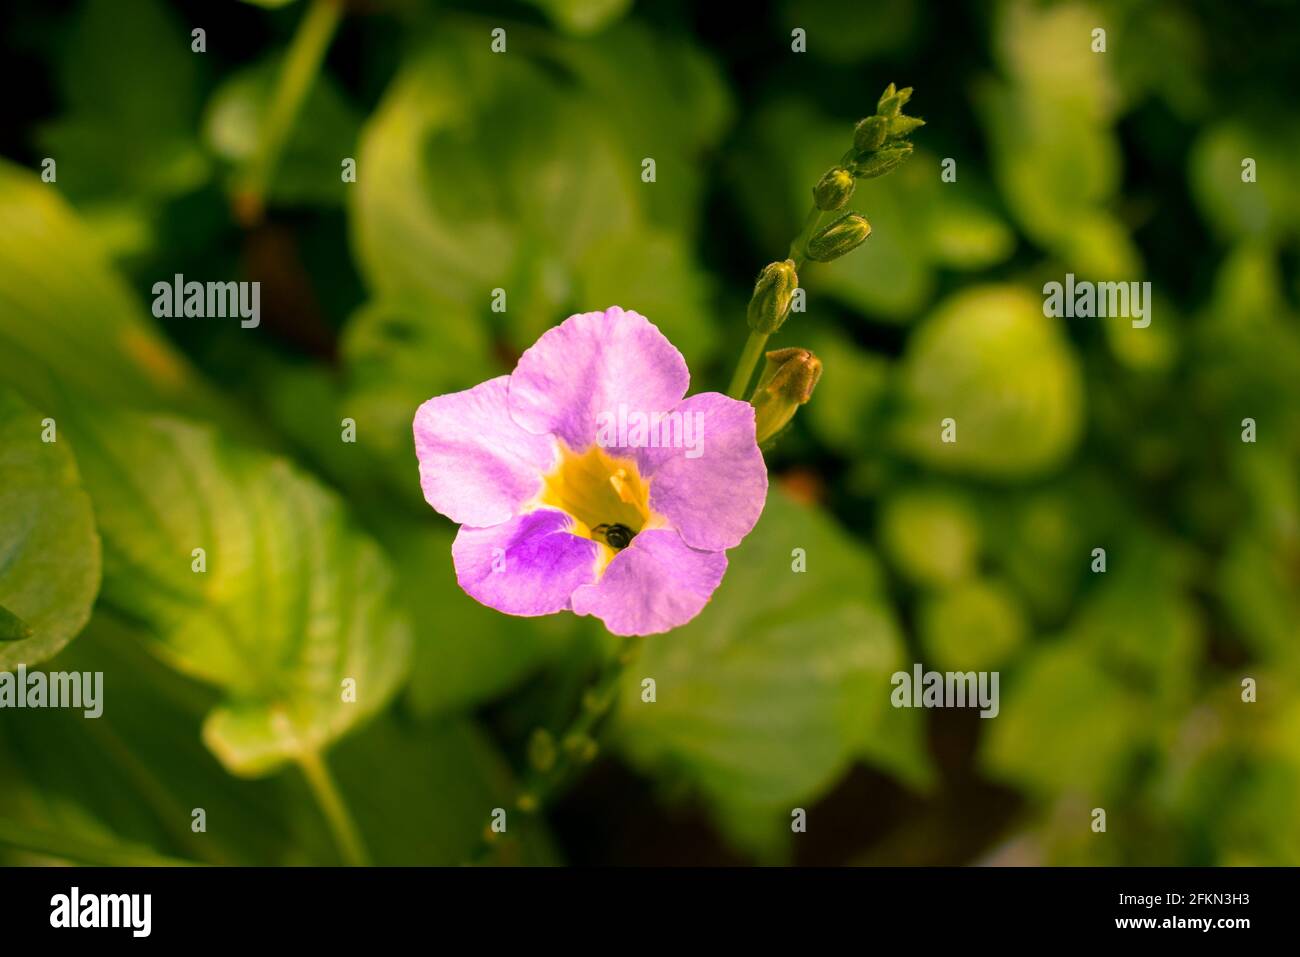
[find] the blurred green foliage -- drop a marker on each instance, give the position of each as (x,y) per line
(521,172)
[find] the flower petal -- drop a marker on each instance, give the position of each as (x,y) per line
(655,584)
(529,565)
(477,466)
(713,489)
(591,364)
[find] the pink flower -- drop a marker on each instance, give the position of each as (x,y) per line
(585,482)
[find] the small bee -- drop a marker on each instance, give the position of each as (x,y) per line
(619,537)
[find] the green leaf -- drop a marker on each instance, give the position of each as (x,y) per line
(294,600)
(481,173)
(1042,539)
(677,111)
(68,322)
(666,286)
(395,357)
(1143,592)
(1052,165)
(1260,590)
(122,787)
(126,140)
(849,402)
(485,172)
(454,772)
(990,360)
(1237,770)
(451,670)
(931,535)
(1065,726)
(13,628)
(781,682)
(963,234)
(1248,325)
(974,625)
(49,549)
(1236,209)
(1049,120)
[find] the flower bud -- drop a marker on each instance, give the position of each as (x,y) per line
(581,747)
(842,236)
(787,382)
(903,125)
(882,161)
(541,750)
(833,189)
(773,291)
(891,101)
(870,133)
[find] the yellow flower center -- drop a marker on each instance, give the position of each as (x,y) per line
(606,497)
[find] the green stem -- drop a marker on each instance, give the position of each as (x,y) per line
(596,703)
(799,246)
(757,341)
(332,805)
(78,851)
(597,700)
(749,357)
(301,65)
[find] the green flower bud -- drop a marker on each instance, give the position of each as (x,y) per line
(541,750)
(833,189)
(787,382)
(892,102)
(903,125)
(870,133)
(882,161)
(842,236)
(773,291)
(581,747)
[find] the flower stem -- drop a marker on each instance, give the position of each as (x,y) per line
(799,245)
(754,345)
(301,65)
(576,745)
(749,357)
(596,703)
(342,827)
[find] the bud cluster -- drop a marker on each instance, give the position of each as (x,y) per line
(880,141)
(880,145)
